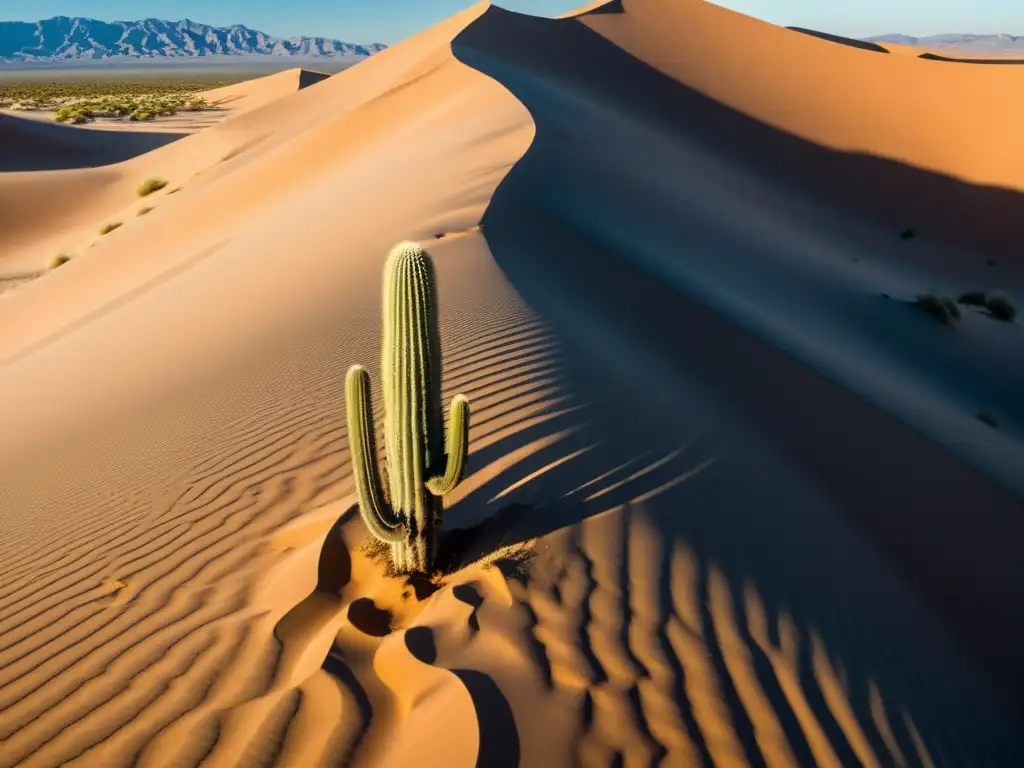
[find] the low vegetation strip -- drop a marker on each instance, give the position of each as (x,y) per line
(82,101)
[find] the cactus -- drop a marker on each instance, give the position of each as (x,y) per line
(421,466)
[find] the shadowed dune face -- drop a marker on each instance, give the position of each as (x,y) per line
(560,187)
(694,530)
(31,145)
(968,60)
(252,94)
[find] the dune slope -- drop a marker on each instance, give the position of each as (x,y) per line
(725,504)
(251,94)
(32,145)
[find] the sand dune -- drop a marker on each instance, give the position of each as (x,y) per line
(241,97)
(32,145)
(725,504)
(34,229)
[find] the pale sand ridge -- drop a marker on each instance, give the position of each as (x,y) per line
(745,514)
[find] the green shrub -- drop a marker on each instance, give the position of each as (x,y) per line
(1001,308)
(76,115)
(972,298)
(58,260)
(109,227)
(149,186)
(942,308)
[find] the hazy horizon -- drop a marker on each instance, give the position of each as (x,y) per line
(389,21)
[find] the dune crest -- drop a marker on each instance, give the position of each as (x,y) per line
(252,94)
(726,504)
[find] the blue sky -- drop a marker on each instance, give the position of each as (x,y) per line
(388,21)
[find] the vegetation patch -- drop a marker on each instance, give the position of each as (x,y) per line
(144,210)
(149,186)
(1001,308)
(79,101)
(58,260)
(109,227)
(972,298)
(942,308)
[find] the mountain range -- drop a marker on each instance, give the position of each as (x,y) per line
(64,38)
(956,41)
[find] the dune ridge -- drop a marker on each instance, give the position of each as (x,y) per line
(695,530)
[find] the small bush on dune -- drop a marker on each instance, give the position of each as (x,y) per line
(76,115)
(58,260)
(109,227)
(149,186)
(144,210)
(1001,308)
(972,298)
(942,308)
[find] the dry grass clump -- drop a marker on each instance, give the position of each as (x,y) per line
(1001,308)
(109,227)
(972,299)
(941,308)
(149,186)
(58,260)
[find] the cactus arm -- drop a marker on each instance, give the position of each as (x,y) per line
(376,513)
(456,448)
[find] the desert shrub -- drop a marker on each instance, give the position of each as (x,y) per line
(1001,308)
(58,260)
(972,298)
(151,185)
(144,210)
(75,115)
(109,227)
(141,115)
(942,308)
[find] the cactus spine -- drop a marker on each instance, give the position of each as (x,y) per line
(421,465)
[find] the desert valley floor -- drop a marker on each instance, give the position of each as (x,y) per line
(729,501)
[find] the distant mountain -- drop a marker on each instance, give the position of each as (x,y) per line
(956,41)
(67,39)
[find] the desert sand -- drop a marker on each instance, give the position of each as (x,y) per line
(226,101)
(727,504)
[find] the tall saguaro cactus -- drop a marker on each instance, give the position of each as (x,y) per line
(421,466)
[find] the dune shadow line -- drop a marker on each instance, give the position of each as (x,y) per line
(913,493)
(32,145)
(566,53)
